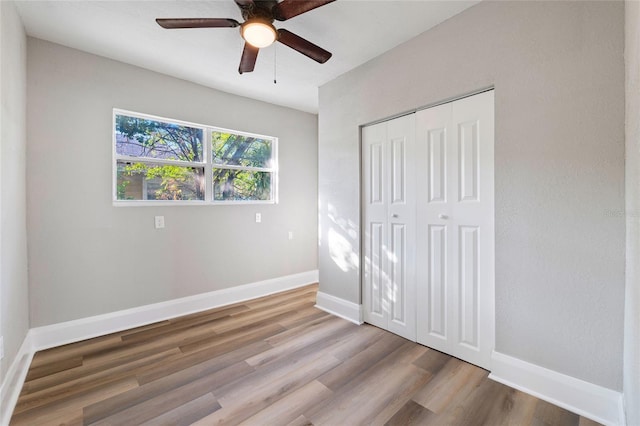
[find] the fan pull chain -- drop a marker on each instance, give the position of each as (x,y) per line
(275,57)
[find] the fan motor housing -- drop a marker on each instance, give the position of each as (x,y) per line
(259,9)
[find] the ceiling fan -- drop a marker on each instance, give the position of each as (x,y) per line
(257,29)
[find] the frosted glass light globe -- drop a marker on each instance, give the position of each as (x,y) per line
(258,34)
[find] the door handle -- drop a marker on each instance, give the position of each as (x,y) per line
(443,216)
(395,216)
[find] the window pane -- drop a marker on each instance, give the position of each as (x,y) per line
(241,185)
(148,181)
(139,137)
(238,150)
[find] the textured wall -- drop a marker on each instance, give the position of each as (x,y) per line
(88,257)
(14,303)
(558,73)
(632,296)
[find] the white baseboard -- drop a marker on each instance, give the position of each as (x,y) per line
(13,380)
(40,338)
(586,399)
(99,325)
(339,307)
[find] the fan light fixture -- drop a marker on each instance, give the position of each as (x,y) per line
(257,30)
(258,34)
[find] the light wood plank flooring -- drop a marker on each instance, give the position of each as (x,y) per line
(276,360)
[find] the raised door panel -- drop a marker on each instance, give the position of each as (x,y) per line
(437,160)
(436,307)
(468,166)
(398,273)
(468,290)
(398,170)
(376,175)
(375,277)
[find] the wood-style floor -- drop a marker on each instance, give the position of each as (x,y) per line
(270,361)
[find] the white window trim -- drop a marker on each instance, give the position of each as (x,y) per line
(207,164)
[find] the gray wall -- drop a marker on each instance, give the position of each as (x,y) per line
(88,257)
(632,296)
(14,303)
(558,73)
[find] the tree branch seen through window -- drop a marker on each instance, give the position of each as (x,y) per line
(162,160)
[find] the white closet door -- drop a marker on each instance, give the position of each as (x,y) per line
(435,155)
(375,221)
(455,250)
(389,225)
(402,226)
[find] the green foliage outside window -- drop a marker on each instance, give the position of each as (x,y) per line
(167,141)
(242,167)
(241,151)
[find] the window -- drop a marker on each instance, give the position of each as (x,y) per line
(242,166)
(162,161)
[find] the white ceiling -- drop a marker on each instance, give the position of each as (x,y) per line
(355,31)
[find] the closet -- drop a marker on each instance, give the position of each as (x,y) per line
(428,227)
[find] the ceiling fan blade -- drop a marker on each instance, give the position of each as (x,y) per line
(289,8)
(303,46)
(248,60)
(197,23)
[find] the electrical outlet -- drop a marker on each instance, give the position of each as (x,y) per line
(258,218)
(159,222)
(291,235)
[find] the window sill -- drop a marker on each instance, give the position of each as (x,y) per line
(155,203)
